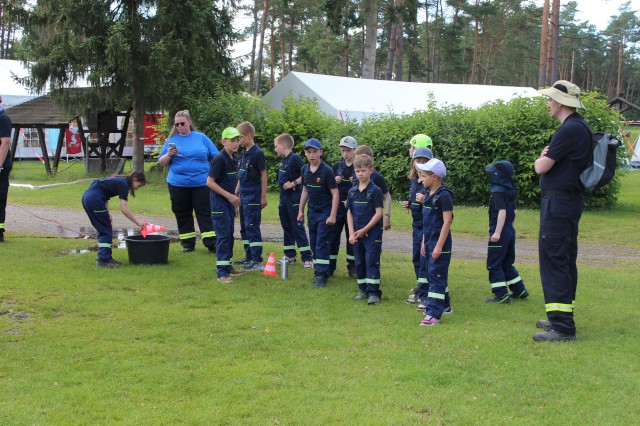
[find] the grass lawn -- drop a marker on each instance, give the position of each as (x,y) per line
(170,345)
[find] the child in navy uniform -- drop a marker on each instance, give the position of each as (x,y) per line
(379,181)
(501,252)
(320,189)
(364,214)
(222,180)
(414,205)
(343,170)
(95,201)
(436,240)
(289,181)
(252,189)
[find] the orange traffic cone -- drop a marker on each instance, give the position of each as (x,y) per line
(150,228)
(270,268)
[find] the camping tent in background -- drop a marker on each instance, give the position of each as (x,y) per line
(635,156)
(356,98)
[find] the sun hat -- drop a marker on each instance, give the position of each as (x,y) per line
(348,142)
(434,166)
(564,92)
(420,140)
(230,133)
(503,166)
(313,143)
(423,152)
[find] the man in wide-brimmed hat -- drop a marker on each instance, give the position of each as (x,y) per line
(559,167)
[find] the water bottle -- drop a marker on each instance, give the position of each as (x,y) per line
(284,268)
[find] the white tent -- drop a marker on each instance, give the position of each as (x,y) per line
(356,98)
(13,93)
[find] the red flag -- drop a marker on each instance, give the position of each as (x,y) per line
(72,143)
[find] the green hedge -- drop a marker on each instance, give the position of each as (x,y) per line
(465,139)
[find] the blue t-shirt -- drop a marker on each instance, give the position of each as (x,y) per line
(347,174)
(224,171)
(432,213)
(501,201)
(319,185)
(5,132)
(571,148)
(363,205)
(414,205)
(376,178)
(189,167)
(252,163)
(290,169)
(110,187)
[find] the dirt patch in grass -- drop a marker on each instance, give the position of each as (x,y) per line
(65,223)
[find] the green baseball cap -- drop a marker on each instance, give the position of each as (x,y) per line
(420,140)
(230,133)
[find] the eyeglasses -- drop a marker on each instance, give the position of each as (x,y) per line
(181,123)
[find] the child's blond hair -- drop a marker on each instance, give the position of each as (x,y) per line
(363,150)
(246,128)
(285,139)
(362,161)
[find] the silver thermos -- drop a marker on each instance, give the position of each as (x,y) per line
(284,268)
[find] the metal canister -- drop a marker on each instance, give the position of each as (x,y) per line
(284,268)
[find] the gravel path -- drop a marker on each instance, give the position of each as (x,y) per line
(67,223)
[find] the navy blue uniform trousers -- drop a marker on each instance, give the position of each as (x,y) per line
(294,232)
(99,216)
(250,221)
(500,258)
(320,235)
(341,223)
(558,252)
(367,262)
(223,225)
(4,192)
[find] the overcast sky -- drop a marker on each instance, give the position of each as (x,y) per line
(598,12)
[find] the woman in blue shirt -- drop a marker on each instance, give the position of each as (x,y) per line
(187,153)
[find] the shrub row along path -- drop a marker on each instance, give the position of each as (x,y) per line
(68,223)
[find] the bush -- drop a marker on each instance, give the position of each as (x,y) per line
(465,139)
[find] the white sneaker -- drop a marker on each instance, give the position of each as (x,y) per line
(422,306)
(308,264)
(413,298)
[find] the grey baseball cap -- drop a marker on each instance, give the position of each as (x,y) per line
(349,142)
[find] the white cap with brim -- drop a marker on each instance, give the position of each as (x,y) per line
(564,92)
(434,166)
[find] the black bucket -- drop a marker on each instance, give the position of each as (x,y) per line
(152,250)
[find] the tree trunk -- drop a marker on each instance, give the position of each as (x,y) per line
(263,28)
(272,57)
(392,50)
(552,71)
(544,39)
(283,63)
(138,135)
(370,39)
(399,39)
(252,68)
(474,63)
(427,43)
(620,64)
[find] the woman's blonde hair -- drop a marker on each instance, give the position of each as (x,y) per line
(413,173)
(183,113)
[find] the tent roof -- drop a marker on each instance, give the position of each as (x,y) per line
(357,98)
(38,112)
